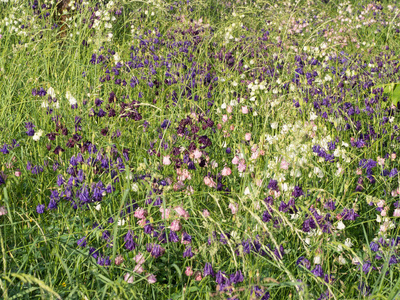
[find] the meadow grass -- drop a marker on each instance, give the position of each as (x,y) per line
(199,150)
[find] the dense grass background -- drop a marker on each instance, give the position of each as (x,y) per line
(266,129)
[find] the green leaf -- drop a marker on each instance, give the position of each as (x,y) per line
(396,95)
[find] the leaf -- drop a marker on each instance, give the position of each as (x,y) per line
(396,95)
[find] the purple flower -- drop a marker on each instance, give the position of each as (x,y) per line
(303,262)
(221,279)
(157,251)
(82,242)
(52,204)
(29,126)
(330,205)
(297,192)
(208,270)
(266,217)
(104,261)
(40,208)
(273,185)
(349,214)
(60,180)
(366,267)
(236,277)
(374,246)
(4,150)
(393,172)
(188,252)
(173,237)
(317,271)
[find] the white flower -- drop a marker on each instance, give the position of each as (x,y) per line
(317,260)
(247,191)
(97,207)
(135,187)
(51,92)
(355,260)
(342,260)
(318,172)
(341,225)
(37,135)
(313,116)
(223,106)
(70,98)
(121,222)
(274,125)
(116,57)
(339,248)
(45,104)
(348,243)
(234,83)
(307,240)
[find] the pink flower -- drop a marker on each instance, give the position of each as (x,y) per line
(224,118)
(229,109)
(197,153)
(242,167)
(393,156)
(384,211)
(255,155)
(206,213)
(396,212)
(138,269)
(226,171)
(141,222)
(189,271)
(140,213)
(209,182)
(176,225)
(245,110)
(247,136)
(139,259)
(17,173)
(381,161)
(358,171)
(119,260)
(165,213)
(394,193)
(189,190)
(151,279)
(381,203)
(234,208)
(181,212)
(235,160)
(183,174)
(128,278)
(166,160)
(284,164)
(179,185)
(198,276)
(3,211)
